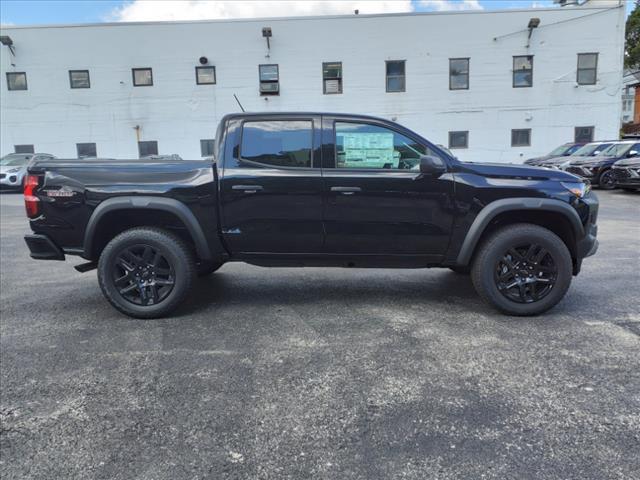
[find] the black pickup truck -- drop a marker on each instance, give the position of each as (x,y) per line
(312,189)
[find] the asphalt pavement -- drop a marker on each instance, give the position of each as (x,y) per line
(321,373)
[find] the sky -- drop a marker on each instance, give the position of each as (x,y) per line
(34,12)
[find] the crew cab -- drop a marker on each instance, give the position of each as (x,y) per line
(312,189)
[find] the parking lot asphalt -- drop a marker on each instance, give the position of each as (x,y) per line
(321,373)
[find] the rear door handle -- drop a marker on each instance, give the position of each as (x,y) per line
(346,190)
(247,188)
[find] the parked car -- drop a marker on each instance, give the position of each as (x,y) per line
(13,168)
(626,173)
(589,150)
(561,151)
(598,169)
(313,189)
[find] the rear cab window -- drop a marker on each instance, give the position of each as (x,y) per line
(277,143)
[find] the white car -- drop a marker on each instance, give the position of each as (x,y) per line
(13,167)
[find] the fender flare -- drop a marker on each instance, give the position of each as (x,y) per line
(170,205)
(490,211)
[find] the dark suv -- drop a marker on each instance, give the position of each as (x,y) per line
(598,169)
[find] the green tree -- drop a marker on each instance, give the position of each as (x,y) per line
(632,39)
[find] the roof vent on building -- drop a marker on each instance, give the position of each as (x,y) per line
(203,60)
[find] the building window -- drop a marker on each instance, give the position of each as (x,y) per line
(331,77)
(269,79)
(395,75)
(587,68)
(86,150)
(16,80)
(521,137)
(142,77)
(79,79)
(206,147)
(523,71)
(459,139)
(281,143)
(458,74)
(23,149)
(147,148)
(584,134)
(206,75)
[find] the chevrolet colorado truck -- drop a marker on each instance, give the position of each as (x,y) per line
(312,189)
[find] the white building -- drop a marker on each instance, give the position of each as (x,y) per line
(509,114)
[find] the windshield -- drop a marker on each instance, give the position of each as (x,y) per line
(561,150)
(590,149)
(14,160)
(617,150)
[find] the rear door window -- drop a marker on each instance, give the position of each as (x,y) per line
(277,143)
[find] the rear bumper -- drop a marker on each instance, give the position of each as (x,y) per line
(43,248)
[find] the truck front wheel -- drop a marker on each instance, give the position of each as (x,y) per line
(522,269)
(146,272)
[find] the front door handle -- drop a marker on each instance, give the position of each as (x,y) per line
(346,190)
(247,188)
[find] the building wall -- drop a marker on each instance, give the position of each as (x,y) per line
(178,113)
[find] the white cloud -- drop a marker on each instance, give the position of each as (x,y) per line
(154,10)
(450,5)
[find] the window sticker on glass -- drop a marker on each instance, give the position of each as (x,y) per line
(360,145)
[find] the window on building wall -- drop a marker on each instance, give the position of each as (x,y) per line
(521,137)
(147,148)
(280,143)
(363,145)
(331,77)
(523,71)
(269,79)
(23,149)
(206,75)
(16,80)
(207,147)
(395,76)
(142,77)
(459,139)
(79,79)
(587,68)
(458,74)
(86,150)
(584,134)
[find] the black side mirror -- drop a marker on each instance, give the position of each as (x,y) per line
(632,153)
(432,165)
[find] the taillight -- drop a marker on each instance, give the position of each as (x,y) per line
(31,202)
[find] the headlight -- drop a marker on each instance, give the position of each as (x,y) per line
(565,164)
(579,189)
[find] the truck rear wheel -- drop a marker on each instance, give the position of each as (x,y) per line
(146,272)
(522,269)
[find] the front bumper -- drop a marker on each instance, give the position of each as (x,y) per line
(588,244)
(626,176)
(11,180)
(43,248)
(589,173)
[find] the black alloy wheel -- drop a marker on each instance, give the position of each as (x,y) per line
(526,273)
(606,180)
(146,272)
(143,275)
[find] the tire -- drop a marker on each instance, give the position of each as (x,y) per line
(207,268)
(606,180)
(534,293)
(461,270)
(167,272)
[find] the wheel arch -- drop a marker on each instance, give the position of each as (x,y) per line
(555,215)
(155,211)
